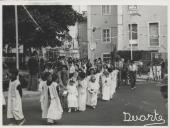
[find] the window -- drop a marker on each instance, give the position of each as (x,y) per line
(106,9)
(106,57)
(154,34)
(146,55)
(106,34)
(133,31)
(133,34)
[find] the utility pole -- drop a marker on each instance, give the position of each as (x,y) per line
(131,48)
(16,32)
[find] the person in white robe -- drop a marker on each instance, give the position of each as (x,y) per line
(82,93)
(112,86)
(98,80)
(114,77)
(55,109)
(92,73)
(92,91)
(159,72)
(43,88)
(14,106)
(106,83)
(72,97)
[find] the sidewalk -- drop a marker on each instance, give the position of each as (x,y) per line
(145,78)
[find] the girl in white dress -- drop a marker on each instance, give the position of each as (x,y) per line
(82,93)
(43,88)
(92,91)
(14,107)
(106,83)
(72,97)
(55,110)
(98,80)
(112,89)
(114,75)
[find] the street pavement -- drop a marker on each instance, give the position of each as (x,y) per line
(143,100)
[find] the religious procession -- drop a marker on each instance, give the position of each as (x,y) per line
(71,65)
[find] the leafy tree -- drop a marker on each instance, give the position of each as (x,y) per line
(53,21)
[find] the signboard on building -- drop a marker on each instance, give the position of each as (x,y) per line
(132,9)
(132,42)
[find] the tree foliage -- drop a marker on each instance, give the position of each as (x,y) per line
(53,21)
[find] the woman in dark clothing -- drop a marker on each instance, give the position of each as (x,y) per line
(124,74)
(33,67)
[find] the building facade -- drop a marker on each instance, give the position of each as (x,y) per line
(136,32)
(143,29)
(102,31)
(82,39)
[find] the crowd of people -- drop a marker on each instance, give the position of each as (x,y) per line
(70,84)
(157,70)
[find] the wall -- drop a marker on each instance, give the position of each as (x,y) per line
(82,39)
(148,14)
(99,21)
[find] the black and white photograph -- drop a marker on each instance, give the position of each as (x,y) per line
(84,65)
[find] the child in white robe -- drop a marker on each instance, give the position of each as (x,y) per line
(114,75)
(72,97)
(43,88)
(14,107)
(98,80)
(92,91)
(106,83)
(82,93)
(55,110)
(112,86)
